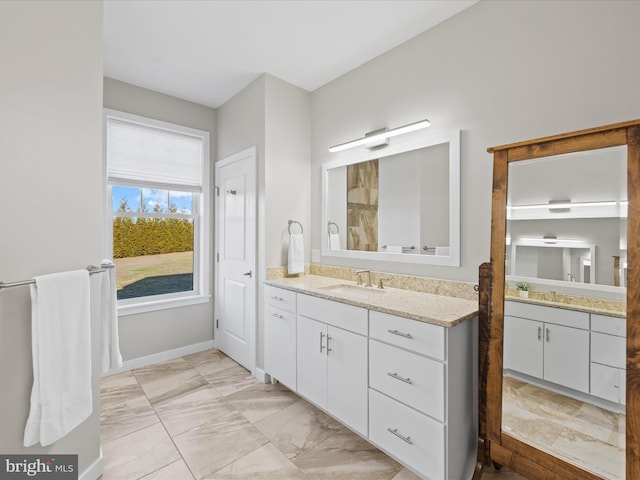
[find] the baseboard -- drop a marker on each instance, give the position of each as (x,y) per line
(263,376)
(94,470)
(161,357)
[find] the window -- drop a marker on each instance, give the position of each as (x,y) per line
(157,189)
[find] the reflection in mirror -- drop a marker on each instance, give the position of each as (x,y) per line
(400,205)
(565,344)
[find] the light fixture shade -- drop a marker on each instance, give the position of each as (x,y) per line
(564,205)
(380,137)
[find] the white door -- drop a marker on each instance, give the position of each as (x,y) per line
(235,326)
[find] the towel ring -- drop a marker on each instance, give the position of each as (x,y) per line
(329,227)
(293,221)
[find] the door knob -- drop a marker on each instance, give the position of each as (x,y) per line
(248,274)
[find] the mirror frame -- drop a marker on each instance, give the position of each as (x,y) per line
(496,445)
(405,143)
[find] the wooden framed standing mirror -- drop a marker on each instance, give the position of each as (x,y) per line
(559,380)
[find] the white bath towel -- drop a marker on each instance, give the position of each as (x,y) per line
(110,342)
(296,254)
(61,349)
(443,251)
(334,241)
(394,248)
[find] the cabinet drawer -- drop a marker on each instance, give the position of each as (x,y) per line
(341,315)
(609,350)
(414,380)
(607,382)
(411,437)
(558,316)
(280,298)
(419,337)
(611,325)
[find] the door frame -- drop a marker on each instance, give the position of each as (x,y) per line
(252,153)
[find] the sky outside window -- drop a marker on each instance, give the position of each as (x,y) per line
(151,197)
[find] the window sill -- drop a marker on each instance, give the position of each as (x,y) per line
(161,304)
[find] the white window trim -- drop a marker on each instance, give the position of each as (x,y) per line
(202,236)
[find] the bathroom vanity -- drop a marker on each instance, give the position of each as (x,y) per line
(575,350)
(396,366)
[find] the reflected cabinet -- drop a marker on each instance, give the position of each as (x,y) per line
(559,335)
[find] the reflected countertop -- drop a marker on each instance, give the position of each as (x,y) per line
(445,311)
(610,309)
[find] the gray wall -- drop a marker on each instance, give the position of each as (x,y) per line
(162,330)
(499,71)
(51,188)
(274,116)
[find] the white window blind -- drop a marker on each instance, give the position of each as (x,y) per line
(142,153)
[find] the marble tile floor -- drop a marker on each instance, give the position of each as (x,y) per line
(579,432)
(205,417)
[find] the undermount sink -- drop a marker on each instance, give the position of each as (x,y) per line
(354,290)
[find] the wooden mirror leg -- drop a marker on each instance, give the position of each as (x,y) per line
(484,284)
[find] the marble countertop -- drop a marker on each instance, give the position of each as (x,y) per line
(439,310)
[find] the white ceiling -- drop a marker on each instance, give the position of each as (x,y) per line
(206,51)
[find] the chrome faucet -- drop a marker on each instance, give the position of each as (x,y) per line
(368,272)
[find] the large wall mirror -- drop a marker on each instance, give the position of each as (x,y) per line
(400,203)
(559,342)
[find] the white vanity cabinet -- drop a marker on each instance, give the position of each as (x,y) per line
(548,343)
(408,386)
(421,394)
(608,358)
(332,358)
(280,335)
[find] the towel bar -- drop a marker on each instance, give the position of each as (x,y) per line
(92,269)
(404,249)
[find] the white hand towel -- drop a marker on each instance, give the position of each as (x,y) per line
(110,343)
(394,248)
(296,254)
(334,241)
(443,251)
(61,348)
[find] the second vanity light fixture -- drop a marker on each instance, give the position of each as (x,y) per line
(379,137)
(565,205)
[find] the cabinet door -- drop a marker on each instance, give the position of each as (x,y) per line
(523,347)
(347,378)
(605,382)
(280,345)
(566,356)
(312,360)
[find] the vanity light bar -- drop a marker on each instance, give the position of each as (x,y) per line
(383,135)
(550,240)
(564,205)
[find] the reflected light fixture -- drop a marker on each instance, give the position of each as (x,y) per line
(379,137)
(564,205)
(550,239)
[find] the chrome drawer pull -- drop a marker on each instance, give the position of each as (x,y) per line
(277,315)
(402,379)
(279,299)
(400,436)
(400,334)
